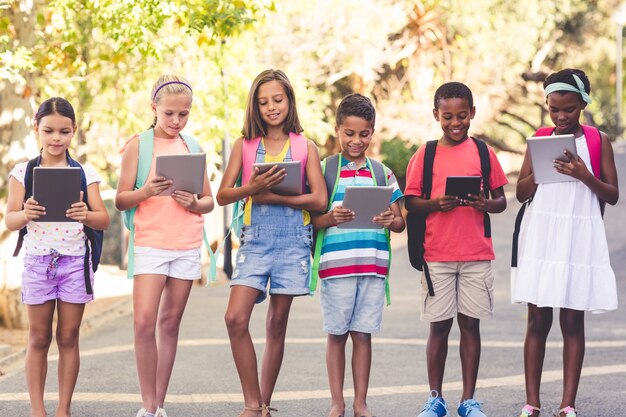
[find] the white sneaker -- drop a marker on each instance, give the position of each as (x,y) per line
(141,412)
(160,413)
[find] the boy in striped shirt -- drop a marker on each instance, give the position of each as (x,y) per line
(354,263)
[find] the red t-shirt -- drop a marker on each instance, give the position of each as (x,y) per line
(457,235)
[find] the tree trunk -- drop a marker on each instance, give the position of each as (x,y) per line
(16,137)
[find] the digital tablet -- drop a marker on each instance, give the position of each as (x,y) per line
(186,170)
(544,150)
(462,186)
(292,183)
(366,202)
(56,189)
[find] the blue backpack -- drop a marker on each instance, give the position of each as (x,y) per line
(93,249)
(144,163)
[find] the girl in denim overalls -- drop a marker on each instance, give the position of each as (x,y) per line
(276,237)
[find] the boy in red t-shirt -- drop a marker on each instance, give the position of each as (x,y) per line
(457,253)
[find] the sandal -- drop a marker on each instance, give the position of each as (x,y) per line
(568,412)
(266,409)
(529,411)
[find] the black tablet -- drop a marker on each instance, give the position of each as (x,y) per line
(462,186)
(56,189)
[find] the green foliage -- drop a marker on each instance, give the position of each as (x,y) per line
(396,154)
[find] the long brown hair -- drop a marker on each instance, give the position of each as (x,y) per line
(253,125)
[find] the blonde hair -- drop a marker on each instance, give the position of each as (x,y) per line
(169,84)
(253,125)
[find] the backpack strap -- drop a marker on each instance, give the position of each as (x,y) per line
(427,187)
(299,152)
(28,192)
(485,168)
(248,157)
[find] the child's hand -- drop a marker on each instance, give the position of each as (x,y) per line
(573,166)
(341,215)
(32,210)
(78,211)
(446,202)
(479,202)
(185,199)
(156,186)
(270,178)
(384,219)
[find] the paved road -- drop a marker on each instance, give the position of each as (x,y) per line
(204,382)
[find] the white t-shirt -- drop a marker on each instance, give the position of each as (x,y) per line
(67,238)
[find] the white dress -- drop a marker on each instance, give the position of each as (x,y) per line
(563,256)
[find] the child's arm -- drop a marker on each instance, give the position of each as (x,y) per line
(316,200)
(202,203)
(391,218)
(96,216)
(127,197)
(606,189)
(497,203)
(332,218)
(526,186)
(19,213)
(228,193)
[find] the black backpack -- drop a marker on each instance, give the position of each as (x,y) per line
(93,248)
(416,222)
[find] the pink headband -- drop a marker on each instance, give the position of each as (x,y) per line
(168,83)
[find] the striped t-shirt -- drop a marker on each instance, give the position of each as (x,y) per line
(356,252)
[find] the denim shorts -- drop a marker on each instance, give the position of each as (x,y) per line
(352,304)
(181,264)
(52,277)
(280,255)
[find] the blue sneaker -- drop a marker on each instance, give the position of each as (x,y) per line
(435,406)
(470,408)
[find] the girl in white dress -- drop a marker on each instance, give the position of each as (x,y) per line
(563,258)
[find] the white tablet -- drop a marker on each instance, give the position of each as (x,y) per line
(186,170)
(366,202)
(292,183)
(544,150)
(56,189)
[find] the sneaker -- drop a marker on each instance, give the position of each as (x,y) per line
(568,412)
(470,408)
(435,406)
(528,411)
(143,412)
(160,413)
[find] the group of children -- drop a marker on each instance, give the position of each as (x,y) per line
(562,250)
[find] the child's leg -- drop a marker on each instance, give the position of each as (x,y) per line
(469,350)
(237,318)
(39,339)
(67,334)
(573,330)
(336,368)
(275,332)
(361,365)
(147,290)
(539,324)
(437,352)
(175,296)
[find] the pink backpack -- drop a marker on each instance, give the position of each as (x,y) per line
(299,152)
(594,143)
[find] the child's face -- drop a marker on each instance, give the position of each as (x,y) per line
(172,113)
(454,115)
(273,103)
(55,133)
(355,135)
(565,109)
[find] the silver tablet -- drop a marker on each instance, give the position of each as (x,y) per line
(544,150)
(292,183)
(56,189)
(366,202)
(186,170)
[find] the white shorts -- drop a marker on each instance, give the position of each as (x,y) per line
(182,264)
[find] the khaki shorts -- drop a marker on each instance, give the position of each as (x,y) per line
(460,287)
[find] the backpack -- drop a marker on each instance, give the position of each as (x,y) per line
(594,144)
(93,248)
(331,178)
(299,152)
(416,222)
(144,163)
